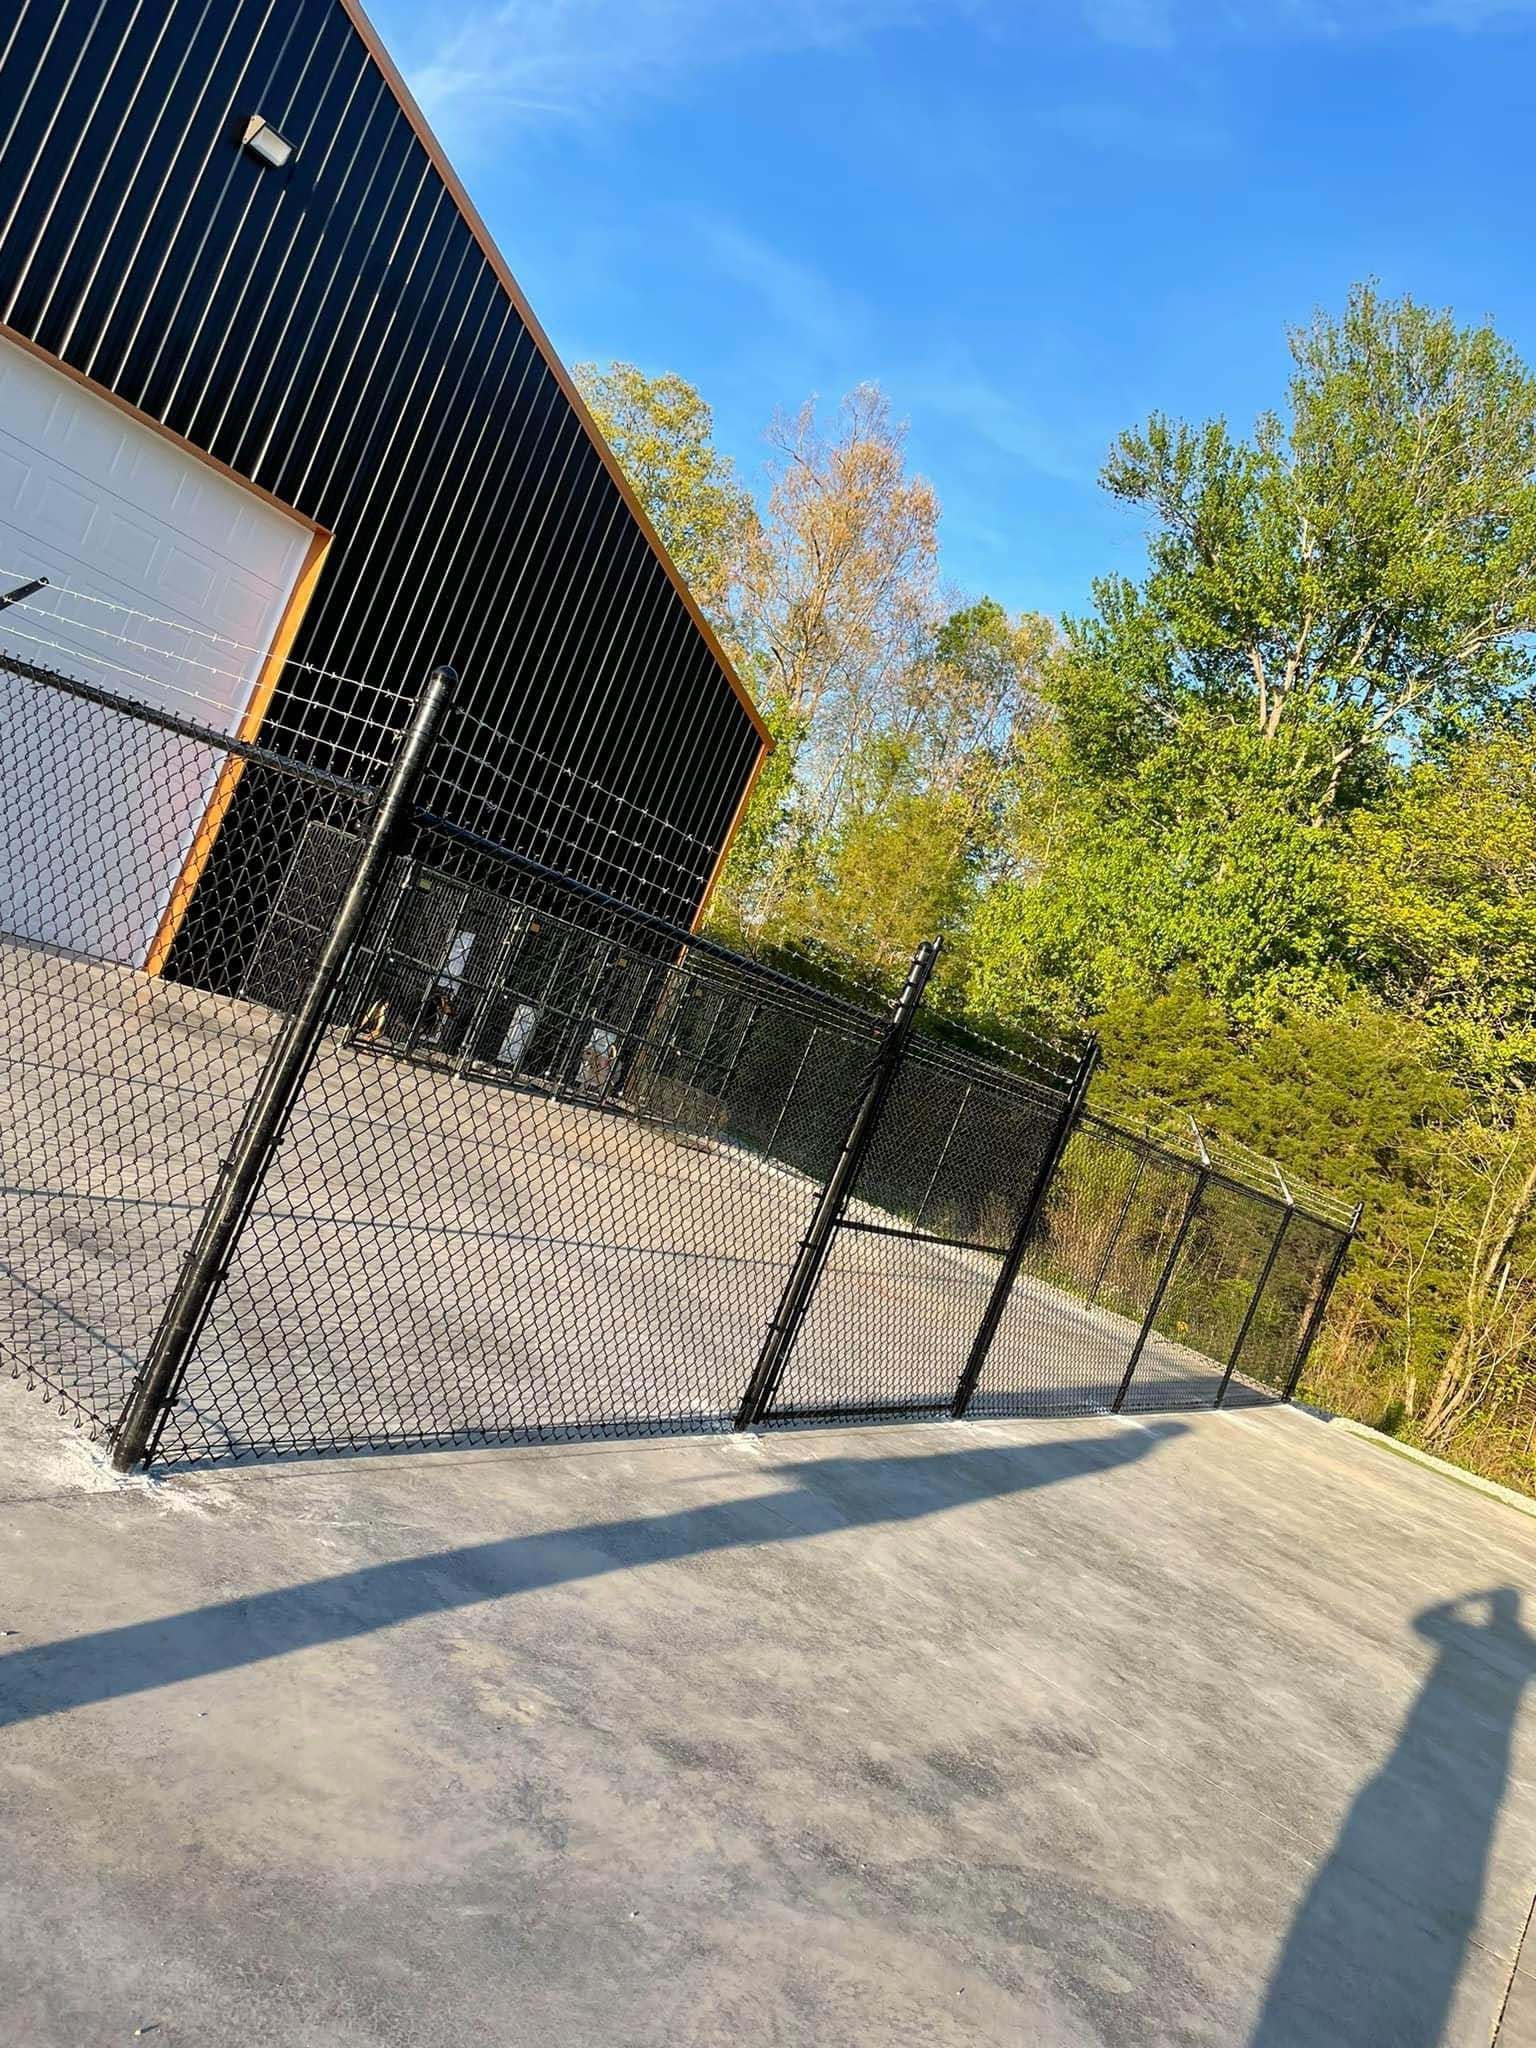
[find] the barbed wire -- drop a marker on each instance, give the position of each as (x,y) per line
(207,633)
(505,739)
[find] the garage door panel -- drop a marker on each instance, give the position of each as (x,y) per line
(13,481)
(191,583)
(155,550)
(96,443)
(126,548)
(63,510)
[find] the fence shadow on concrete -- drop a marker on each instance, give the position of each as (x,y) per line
(834,1493)
(1376,1950)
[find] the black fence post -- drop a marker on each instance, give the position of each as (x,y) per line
(1013,1258)
(207,1261)
(938,1164)
(789,1093)
(1320,1306)
(1253,1306)
(740,1048)
(1191,1209)
(1125,1209)
(817,1242)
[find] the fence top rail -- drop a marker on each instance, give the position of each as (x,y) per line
(1019,1083)
(759,978)
(1054,1060)
(1058,1060)
(1314,1206)
(185,728)
(752,973)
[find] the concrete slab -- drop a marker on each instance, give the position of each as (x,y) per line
(1214,1730)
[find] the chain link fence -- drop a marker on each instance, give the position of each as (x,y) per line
(386,1134)
(123,1087)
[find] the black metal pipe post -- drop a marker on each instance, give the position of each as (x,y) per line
(938,1164)
(1253,1306)
(1320,1306)
(789,1094)
(1125,1209)
(741,1045)
(817,1242)
(1013,1258)
(1191,1209)
(207,1261)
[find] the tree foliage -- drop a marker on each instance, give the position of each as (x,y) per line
(1266,817)
(1443,900)
(663,434)
(1362,568)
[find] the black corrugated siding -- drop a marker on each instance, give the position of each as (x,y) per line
(335,333)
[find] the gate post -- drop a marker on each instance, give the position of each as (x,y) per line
(789,1093)
(208,1258)
(1191,1208)
(1013,1258)
(800,1287)
(1320,1306)
(1258,1295)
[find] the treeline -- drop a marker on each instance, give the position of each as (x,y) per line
(1265,817)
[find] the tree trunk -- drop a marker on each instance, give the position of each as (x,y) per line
(1454,1387)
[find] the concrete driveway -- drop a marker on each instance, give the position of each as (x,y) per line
(1212,1730)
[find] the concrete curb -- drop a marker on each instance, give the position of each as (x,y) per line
(1522,1501)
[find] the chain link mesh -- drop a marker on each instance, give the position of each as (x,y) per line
(556,1158)
(123,1087)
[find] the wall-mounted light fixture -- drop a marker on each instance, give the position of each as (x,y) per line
(263,140)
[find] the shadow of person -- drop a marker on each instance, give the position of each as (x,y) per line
(833,1493)
(1376,1950)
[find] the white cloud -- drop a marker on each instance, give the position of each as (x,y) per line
(1002,423)
(578,57)
(1138,24)
(1170,135)
(799,298)
(472,64)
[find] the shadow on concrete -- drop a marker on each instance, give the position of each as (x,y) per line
(1375,1953)
(833,1494)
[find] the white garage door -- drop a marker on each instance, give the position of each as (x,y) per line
(108,509)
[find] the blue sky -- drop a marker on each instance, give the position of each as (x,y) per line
(1030,224)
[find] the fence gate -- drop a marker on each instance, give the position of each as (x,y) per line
(914,1247)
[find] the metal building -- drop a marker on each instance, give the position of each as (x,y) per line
(264,373)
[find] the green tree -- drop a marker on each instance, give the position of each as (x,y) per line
(1199,861)
(1346,591)
(662,432)
(918,827)
(1443,901)
(1356,576)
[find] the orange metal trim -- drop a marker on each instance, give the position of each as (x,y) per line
(497,261)
(229,775)
(159,427)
